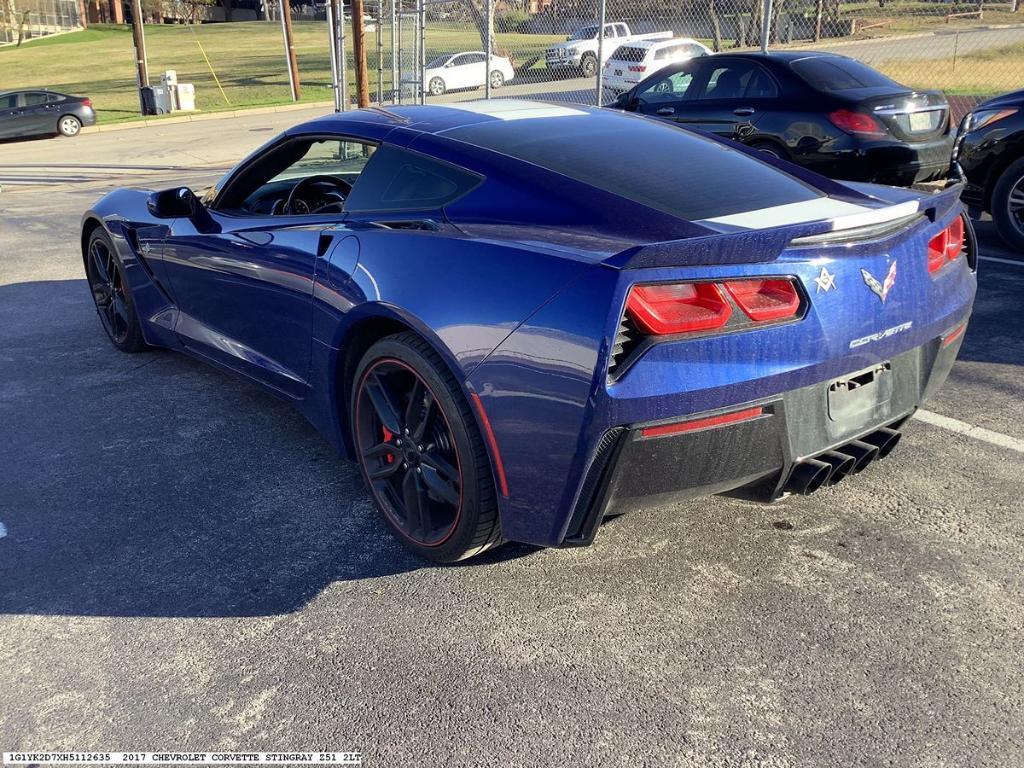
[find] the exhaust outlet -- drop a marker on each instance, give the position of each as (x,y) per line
(842,464)
(808,476)
(885,440)
(863,454)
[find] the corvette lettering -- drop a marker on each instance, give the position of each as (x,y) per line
(881,334)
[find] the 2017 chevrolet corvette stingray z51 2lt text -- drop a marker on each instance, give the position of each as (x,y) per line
(521,317)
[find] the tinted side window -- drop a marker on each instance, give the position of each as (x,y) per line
(738,80)
(10,101)
(397,180)
(836,74)
(34,99)
(674,87)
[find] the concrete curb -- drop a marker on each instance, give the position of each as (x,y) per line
(203,116)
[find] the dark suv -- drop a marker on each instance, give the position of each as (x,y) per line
(990,153)
(828,113)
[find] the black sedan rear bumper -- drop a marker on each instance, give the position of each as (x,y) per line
(756,457)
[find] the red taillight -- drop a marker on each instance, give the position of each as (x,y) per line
(764,300)
(706,423)
(86,102)
(946,246)
(637,68)
(678,308)
(857,123)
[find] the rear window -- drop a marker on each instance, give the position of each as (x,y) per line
(835,74)
(630,53)
(647,161)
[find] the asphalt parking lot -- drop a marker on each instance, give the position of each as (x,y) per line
(184,564)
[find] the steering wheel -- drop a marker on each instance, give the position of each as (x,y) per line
(295,205)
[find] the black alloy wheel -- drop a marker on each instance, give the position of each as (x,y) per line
(421,457)
(111,295)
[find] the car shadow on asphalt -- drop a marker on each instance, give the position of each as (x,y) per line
(153,485)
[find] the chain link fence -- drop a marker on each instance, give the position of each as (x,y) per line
(557,49)
(30,19)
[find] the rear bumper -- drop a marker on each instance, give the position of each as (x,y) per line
(753,457)
(895,163)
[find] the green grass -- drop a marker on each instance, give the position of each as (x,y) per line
(248,58)
(983,73)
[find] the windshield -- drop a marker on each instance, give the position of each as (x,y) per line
(584,33)
(833,73)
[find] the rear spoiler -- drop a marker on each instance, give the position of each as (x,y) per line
(757,245)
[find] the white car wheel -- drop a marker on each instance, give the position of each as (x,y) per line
(69,126)
(437,86)
(497,79)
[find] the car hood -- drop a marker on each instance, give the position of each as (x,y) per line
(1014,99)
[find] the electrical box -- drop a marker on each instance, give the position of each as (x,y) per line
(185,95)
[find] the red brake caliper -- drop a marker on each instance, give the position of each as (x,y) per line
(387,439)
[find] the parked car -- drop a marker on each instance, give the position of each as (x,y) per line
(520,317)
(631,63)
(989,151)
(37,113)
(579,52)
(452,71)
(834,115)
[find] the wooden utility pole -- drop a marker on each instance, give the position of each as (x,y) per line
(289,49)
(359,51)
(139,41)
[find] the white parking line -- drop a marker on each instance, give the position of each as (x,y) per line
(978,433)
(1012,262)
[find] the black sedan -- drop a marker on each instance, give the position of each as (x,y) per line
(38,113)
(829,113)
(990,153)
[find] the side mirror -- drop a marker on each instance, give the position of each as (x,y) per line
(177,203)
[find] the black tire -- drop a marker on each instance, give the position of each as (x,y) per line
(437,86)
(1008,205)
(588,65)
(473,526)
(111,294)
(770,148)
(69,125)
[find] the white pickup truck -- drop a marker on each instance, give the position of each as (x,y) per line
(579,52)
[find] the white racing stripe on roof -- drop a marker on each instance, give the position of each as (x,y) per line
(515,109)
(843,215)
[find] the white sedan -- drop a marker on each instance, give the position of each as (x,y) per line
(632,62)
(461,70)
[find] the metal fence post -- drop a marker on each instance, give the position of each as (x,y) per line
(380,51)
(421,58)
(332,47)
(342,63)
(766,24)
(394,52)
(489,10)
(601,13)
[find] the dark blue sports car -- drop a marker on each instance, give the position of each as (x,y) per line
(522,317)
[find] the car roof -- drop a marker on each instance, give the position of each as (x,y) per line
(434,119)
(659,43)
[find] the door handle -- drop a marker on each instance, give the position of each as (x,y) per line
(666,111)
(743,111)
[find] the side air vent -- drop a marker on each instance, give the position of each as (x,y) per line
(587,514)
(627,339)
(970,246)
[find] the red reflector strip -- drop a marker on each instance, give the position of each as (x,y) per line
(499,466)
(953,335)
(710,421)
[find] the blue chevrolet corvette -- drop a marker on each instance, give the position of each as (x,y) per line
(522,317)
